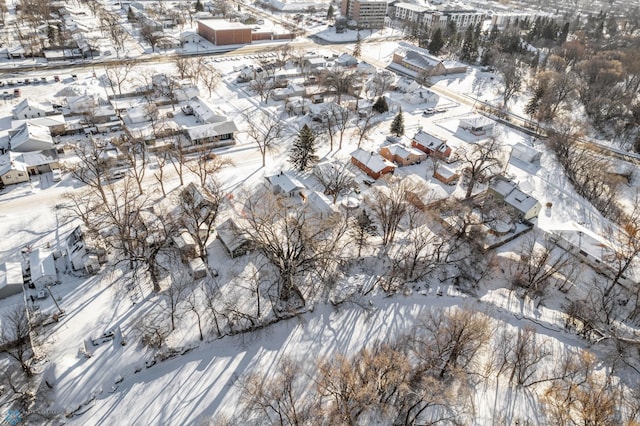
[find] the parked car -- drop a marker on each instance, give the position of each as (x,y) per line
(429,111)
(56,175)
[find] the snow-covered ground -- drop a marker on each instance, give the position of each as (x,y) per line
(114,386)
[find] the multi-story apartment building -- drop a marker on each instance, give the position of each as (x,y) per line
(367,13)
(435,17)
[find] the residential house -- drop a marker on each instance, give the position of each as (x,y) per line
(11,279)
(446,175)
(185,244)
(12,170)
(285,184)
(525,153)
(346,61)
(204,112)
(40,162)
(56,124)
(594,249)
(507,191)
(423,193)
(292,89)
(190,37)
(432,145)
(420,61)
(477,124)
(234,239)
(28,108)
(30,137)
(84,253)
(82,104)
(373,164)
(250,72)
(42,268)
(319,204)
(215,134)
(402,155)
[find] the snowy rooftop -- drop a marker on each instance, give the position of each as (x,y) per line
(373,161)
(11,274)
(520,201)
(221,24)
(285,182)
(428,140)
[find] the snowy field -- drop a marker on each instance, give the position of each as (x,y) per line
(119,384)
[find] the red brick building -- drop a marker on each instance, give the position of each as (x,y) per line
(222,33)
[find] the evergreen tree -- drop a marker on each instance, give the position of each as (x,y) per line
(130,15)
(534,103)
(397,125)
(563,33)
(381,105)
(469,51)
(199,6)
(437,42)
(330,12)
(357,49)
(493,34)
(364,227)
(303,152)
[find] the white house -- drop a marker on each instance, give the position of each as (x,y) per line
(525,153)
(31,109)
(594,249)
(82,104)
(507,191)
(82,253)
(477,124)
(204,112)
(11,279)
(190,37)
(30,137)
(527,206)
(12,170)
(319,204)
(285,184)
(42,267)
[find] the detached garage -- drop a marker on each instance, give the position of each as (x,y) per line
(222,33)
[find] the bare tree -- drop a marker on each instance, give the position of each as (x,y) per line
(281,398)
(336,179)
(338,81)
(117,75)
(337,119)
(210,78)
(541,264)
(449,341)
(418,255)
(512,77)
(263,86)
(389,206)
(583,396)
(199,210)
(92,168)
(149,35)
(296,243)
(207,165)
(161,157)
(15,340)
(265,130)
(518,355)
(481,162)
(364,127)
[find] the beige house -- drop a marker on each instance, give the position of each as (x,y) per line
(402,155)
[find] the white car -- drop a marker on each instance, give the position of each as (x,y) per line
(56,175)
